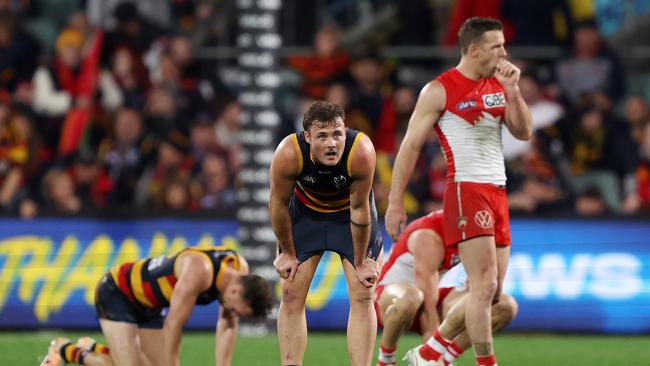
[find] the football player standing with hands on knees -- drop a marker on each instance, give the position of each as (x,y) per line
(467,106)
(321,200)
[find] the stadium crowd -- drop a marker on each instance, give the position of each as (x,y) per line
(106,109)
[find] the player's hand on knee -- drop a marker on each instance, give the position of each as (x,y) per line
(395,220)
(286,265)
(368,272)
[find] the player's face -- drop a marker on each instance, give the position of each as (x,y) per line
(233,300)
(327,141)
(490,52)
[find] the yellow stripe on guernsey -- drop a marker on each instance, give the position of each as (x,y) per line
(115,270)
(324,203)
(231,260)
(352,150)
(165,287)
(136,284)
(298,151)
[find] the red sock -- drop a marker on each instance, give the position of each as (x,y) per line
(386,356)
(435,347)
(490,360)
(453,352)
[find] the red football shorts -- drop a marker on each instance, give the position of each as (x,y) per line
(475,209)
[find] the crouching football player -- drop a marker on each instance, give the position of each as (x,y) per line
(411,296)
(131,297)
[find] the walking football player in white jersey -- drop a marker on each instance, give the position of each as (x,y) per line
(467,105)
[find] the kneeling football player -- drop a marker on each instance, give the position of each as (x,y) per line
(131,297)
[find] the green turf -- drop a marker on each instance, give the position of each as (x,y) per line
(26,348)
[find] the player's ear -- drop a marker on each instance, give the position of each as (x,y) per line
(472,50)
(307,136)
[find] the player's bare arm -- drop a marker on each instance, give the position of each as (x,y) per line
(428,253)
(284,171)
(226,335)
(427,110)
(228,324)
(518,117)
(194,272)
(362,171)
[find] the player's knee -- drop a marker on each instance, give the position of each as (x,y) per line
(506,308)
(292,299)
(362,297)
(486,287)
(410,301)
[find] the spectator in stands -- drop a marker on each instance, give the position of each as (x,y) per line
(367,88)
(125,154)
(590,202)
(93,185)
(538,23)
(67,83)
(174,162)
(545,112)
(132,77)
(131,30)
(637,114)
(212,188)
(640,202)
(395,114)
(592,68)
(59,193)
(226,129)
(339,94)
(590,147)
(176,196)
(19,54)
(327,64)
(14,155)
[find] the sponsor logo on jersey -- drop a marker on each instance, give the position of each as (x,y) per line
(466,104)
(494,100)
(309,179)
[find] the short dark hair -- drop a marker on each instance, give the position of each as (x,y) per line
(258,295)
(473,29)
(323,112)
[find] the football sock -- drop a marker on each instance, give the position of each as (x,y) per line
(452,352)
(99,348)
(435,347)
(73,354)
(386,356)
(490,360)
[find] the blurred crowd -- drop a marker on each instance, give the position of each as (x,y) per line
(105,107)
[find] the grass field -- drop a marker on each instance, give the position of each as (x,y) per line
(27,348)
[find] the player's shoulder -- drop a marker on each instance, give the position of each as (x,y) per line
(287,154)
(362,158)
(432,96)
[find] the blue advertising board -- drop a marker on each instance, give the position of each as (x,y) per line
(567,275)
(49,268)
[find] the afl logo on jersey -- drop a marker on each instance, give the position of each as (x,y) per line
(466,104)
(494,100)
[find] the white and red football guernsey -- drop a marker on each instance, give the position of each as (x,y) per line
(469,128)
(399,267)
